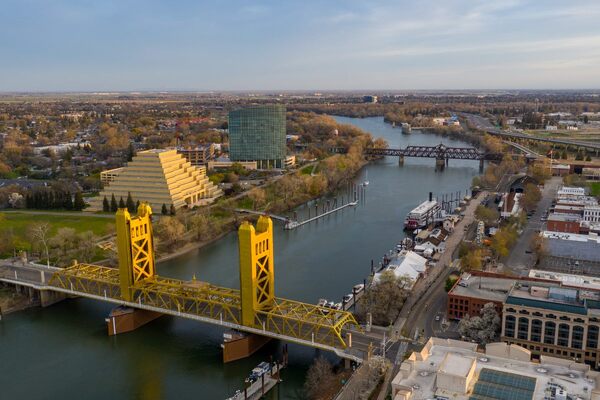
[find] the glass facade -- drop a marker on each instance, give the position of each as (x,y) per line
(257,133)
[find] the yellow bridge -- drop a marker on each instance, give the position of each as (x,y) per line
(254,308)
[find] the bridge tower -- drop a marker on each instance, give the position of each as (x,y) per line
(135,248)
(257,276)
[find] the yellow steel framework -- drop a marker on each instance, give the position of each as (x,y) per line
(270,315)
(135,248)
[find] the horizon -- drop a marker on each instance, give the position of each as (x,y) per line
(235,46)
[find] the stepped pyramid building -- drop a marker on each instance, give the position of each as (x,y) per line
(159,176)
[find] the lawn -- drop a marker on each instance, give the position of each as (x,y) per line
(595,188)
(16,224)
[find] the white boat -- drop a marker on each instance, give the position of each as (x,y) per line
(366,182)
(421,215)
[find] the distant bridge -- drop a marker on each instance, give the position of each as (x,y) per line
(484,124)
(440,152)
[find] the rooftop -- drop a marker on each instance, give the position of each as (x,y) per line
(503,372)
(564,217)
(493,288)
(578,281)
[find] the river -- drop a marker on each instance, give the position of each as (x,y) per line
(64,352)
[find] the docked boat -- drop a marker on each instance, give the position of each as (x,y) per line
(421,215)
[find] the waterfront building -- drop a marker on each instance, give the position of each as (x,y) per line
(198,155)
(551,320)
(451,369)
(257,133)
(160,177)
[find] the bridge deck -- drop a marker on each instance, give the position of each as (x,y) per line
(288,320)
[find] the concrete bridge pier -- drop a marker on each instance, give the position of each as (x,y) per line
(440,163)
(481,165)
(400,161)
(49,297)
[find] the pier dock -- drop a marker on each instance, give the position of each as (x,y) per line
(259,388)
(295,224)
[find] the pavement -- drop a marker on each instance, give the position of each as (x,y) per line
(522,257)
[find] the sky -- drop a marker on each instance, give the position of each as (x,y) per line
(129,45)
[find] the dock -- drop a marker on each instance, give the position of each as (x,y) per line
(295,224)
(259,388)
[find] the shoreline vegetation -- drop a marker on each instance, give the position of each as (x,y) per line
(190,230)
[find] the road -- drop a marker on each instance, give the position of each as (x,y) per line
(484,124)
(519,261)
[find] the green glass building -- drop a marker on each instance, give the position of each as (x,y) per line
(257,133)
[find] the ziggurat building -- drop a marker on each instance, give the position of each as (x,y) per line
(160,177)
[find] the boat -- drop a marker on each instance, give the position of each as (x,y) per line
(366,182)
(421,215)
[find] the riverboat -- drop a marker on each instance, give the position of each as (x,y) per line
(421,215)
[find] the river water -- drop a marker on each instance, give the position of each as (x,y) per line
(64,352)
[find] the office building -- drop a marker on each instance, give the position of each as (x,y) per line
(548,319)
(451,369)
(257,133)
(198,155)
(160,177)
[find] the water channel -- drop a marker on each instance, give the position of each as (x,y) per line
(64,351)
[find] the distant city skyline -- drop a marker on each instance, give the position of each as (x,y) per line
(159,45)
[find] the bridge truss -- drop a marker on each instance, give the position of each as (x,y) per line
(439,152)
(254,308)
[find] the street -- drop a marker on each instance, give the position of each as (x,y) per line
(519,261)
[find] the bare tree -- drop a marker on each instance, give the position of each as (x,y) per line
(318,378)
(38,234)
(384,298)
(483,328)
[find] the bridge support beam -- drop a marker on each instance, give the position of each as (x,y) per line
(481,165)
(400,161)
(257,276)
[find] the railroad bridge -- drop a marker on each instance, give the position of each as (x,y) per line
(441,153)
(253,308)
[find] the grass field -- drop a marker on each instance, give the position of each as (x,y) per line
(595,188)
(16,225)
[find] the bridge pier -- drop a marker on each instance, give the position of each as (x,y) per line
(400,161)
(481,165)
(440,163)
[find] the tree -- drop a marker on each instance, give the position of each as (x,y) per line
(172,210)
(68,201)
(318,378)
(531,197)
(579,156)
(38,235)
(169,231)
(105,205)
(450,282)
(113,203)
(137,205)
(471,260)
(258,197)
(385,298)
(488,215)
(201,225)
(483,328)
(130,152)
(130,204)
(164,210)
(588,158)
(79,203)
(121,203)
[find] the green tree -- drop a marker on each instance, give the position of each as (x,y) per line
(105,205)
(130,152)
(588,158)
(488,215)
(164,210)
(121,203)
(113,203)
(172,210)
(130,204)
(579,156)
(68,201)
(79,203)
